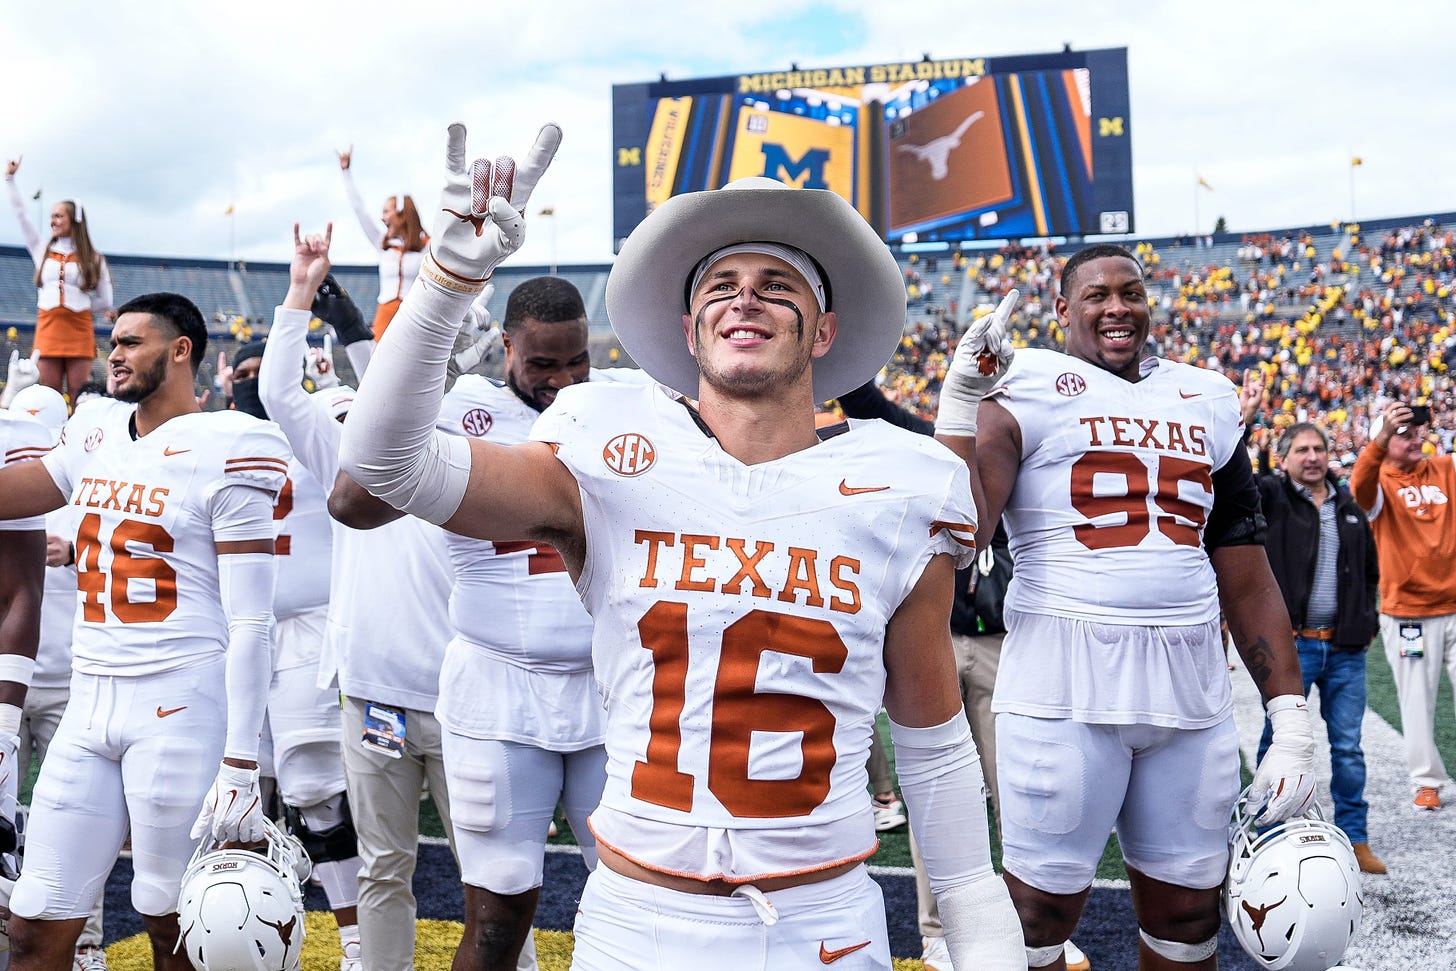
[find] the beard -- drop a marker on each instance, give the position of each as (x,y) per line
(142,383)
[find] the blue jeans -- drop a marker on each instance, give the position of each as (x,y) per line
(1340,676)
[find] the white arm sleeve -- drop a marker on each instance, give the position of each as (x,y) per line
(102,297)
(941,780)
(247,581)
(27,228)
(373,226)
(360,354)
(390,445)
(313,435)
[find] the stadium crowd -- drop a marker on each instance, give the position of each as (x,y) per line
(1336,339)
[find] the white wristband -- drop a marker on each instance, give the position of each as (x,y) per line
(1284,703)
(17,668)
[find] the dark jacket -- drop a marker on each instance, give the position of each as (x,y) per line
(1293,543)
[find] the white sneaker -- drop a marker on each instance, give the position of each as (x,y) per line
(1076,960)
(935,955)
(90,959)
(888,815)
(351,960)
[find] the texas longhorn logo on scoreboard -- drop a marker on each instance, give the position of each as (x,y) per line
(802,152)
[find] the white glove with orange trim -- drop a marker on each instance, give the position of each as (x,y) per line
(981,358)
(482,211)
(318,365)
(1284,780)
(233,809)
(21,374)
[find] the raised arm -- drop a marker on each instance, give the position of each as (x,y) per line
(371,224)
(313,435)
(981,358)
(27,228)
(390,444)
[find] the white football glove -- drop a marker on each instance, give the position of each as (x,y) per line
(479,340)
(981,358)
(1284,782)
(318,365)
(21,374)
(10,774)
(233,809)
(482,211)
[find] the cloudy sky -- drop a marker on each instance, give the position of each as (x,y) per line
(159,115)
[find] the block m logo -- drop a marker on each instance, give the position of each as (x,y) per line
(1109,127)
(805,172)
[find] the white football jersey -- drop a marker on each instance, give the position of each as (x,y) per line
(512,598)
(518,620)
(22,439)
(145,555)
(304,545)
(1106,519)
(740,619)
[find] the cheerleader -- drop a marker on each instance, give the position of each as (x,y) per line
(72,284)
(400,239)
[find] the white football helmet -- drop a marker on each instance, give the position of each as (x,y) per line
(1293,892)
(242,910)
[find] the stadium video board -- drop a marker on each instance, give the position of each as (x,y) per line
(965,148)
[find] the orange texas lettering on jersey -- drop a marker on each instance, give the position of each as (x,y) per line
(677,560)
(1154,433)
(133,498)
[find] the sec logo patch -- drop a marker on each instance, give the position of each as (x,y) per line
(93,439)
(1070,384)
(477,422)
(629,454)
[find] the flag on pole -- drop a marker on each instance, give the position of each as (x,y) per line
(548,211)
(36,197)
(1204,182)
(1357,160)
(229,210)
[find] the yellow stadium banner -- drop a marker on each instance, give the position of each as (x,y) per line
(803,152)
(664,147)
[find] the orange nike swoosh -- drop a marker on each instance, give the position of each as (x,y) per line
(164,712)
(829,957)
(845,489)
(169,450)
(1185,394)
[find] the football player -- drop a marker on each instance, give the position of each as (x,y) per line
(1133,514)
(171,657)
(303,726)
(22,582)
(384,650)
(45,702)
(756,592)
(521,713)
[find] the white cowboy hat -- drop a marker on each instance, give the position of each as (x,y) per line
(647,284)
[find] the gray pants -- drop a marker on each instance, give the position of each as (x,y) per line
(43,710)
(384,794)
(977,659)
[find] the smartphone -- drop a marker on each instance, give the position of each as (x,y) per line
(1420,414)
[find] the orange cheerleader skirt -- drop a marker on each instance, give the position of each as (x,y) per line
(384,315)
(64,332)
